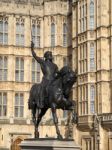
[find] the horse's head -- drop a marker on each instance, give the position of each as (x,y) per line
(69,77)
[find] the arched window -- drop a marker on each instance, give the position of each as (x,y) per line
(3,68)
(92,14)
(64,35)
(35,71)
(3,104)
(52,34)
(92,99)
(92,57)
(3,31)
(36,34)
(19,69)
(20,29)
(83,100)
(19,105)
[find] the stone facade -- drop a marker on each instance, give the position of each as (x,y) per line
(88,49)
(92,52)
(13,128)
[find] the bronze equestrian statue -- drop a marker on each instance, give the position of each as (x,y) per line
(53,92)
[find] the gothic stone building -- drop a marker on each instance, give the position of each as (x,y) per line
(79,33)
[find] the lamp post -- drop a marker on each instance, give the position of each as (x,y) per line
(98,141)
(96,127)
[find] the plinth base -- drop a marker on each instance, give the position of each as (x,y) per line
(49,144)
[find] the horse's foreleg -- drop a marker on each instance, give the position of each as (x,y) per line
(55,119)
(39,117)
(34,114)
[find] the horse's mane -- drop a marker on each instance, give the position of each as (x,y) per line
(57,81)
(64,70)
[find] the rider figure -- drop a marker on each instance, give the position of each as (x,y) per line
(49,70)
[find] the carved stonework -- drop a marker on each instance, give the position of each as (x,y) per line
(23,1)
(106,120)
(6,1)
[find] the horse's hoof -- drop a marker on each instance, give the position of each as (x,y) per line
(36,137)
(37,134)
(60,137)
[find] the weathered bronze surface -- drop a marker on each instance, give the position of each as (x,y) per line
(53,92)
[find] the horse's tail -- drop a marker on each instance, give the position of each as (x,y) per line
(31,100)
(38,112)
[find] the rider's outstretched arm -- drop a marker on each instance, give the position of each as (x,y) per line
(38,59)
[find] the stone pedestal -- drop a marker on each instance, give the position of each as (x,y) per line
(49,144)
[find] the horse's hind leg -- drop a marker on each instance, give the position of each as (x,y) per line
(55,119)
(34,114)
(39,117)
(41,114)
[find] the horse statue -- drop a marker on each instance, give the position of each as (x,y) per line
(58,98)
